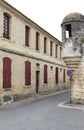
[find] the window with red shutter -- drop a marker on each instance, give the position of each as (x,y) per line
(45,39)
(27,73)
(51,43)
(56,51)
(6,72)
(45,74)
(6,26)
(56,75)
(37,41)
(27,35)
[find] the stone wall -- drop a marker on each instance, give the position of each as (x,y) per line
(77,86)
(18,89)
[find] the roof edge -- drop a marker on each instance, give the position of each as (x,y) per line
(20,13)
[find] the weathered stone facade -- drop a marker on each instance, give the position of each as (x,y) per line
(77,86)
(73,53)
(14,48)
(72,34)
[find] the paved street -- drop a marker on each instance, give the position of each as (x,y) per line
(42,114)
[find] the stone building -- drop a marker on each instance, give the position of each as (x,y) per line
(30,57)
(73,53)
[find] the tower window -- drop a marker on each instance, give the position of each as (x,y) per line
(68,30)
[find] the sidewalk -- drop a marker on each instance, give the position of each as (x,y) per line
(32,99)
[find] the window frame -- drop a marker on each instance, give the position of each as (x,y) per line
(64,76)
(60,53)
(45,74)
(37,41)
(45,45)
(6,25)
(27,73)
(56,50)
(51,48)
(7,73)
(56,75)
(27,32)
(68,31)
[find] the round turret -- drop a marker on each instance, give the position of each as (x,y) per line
(72,35)
(73,17)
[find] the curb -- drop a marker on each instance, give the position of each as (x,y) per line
(66,104)
(32,99)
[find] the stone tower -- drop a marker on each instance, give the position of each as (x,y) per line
(72,34)
(73,53)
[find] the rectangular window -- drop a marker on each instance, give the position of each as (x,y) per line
(37,41)
(45,39)
(68,31)
(45,74)
(6,72)
(56,51)
(6,26)
(64,75)
(27,73)
(60,52)
(51,43)
(56,75)
(27,35)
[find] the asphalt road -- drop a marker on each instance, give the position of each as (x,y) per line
(42,114)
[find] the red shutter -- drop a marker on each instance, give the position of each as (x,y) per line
(37,41)
(64,75)
(45,44)
(26,36)
(56,75)
(45,74)
(56,51)
(51,48)
(60,52)
(6,73)
(6,26)
(27,73)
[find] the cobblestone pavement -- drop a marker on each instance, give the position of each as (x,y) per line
(41,114)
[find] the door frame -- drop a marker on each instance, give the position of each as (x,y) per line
(37,81)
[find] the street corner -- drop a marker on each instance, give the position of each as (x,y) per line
(67,104)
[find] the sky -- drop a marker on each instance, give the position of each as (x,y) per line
(48,13)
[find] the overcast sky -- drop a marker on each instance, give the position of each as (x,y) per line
(48,13)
